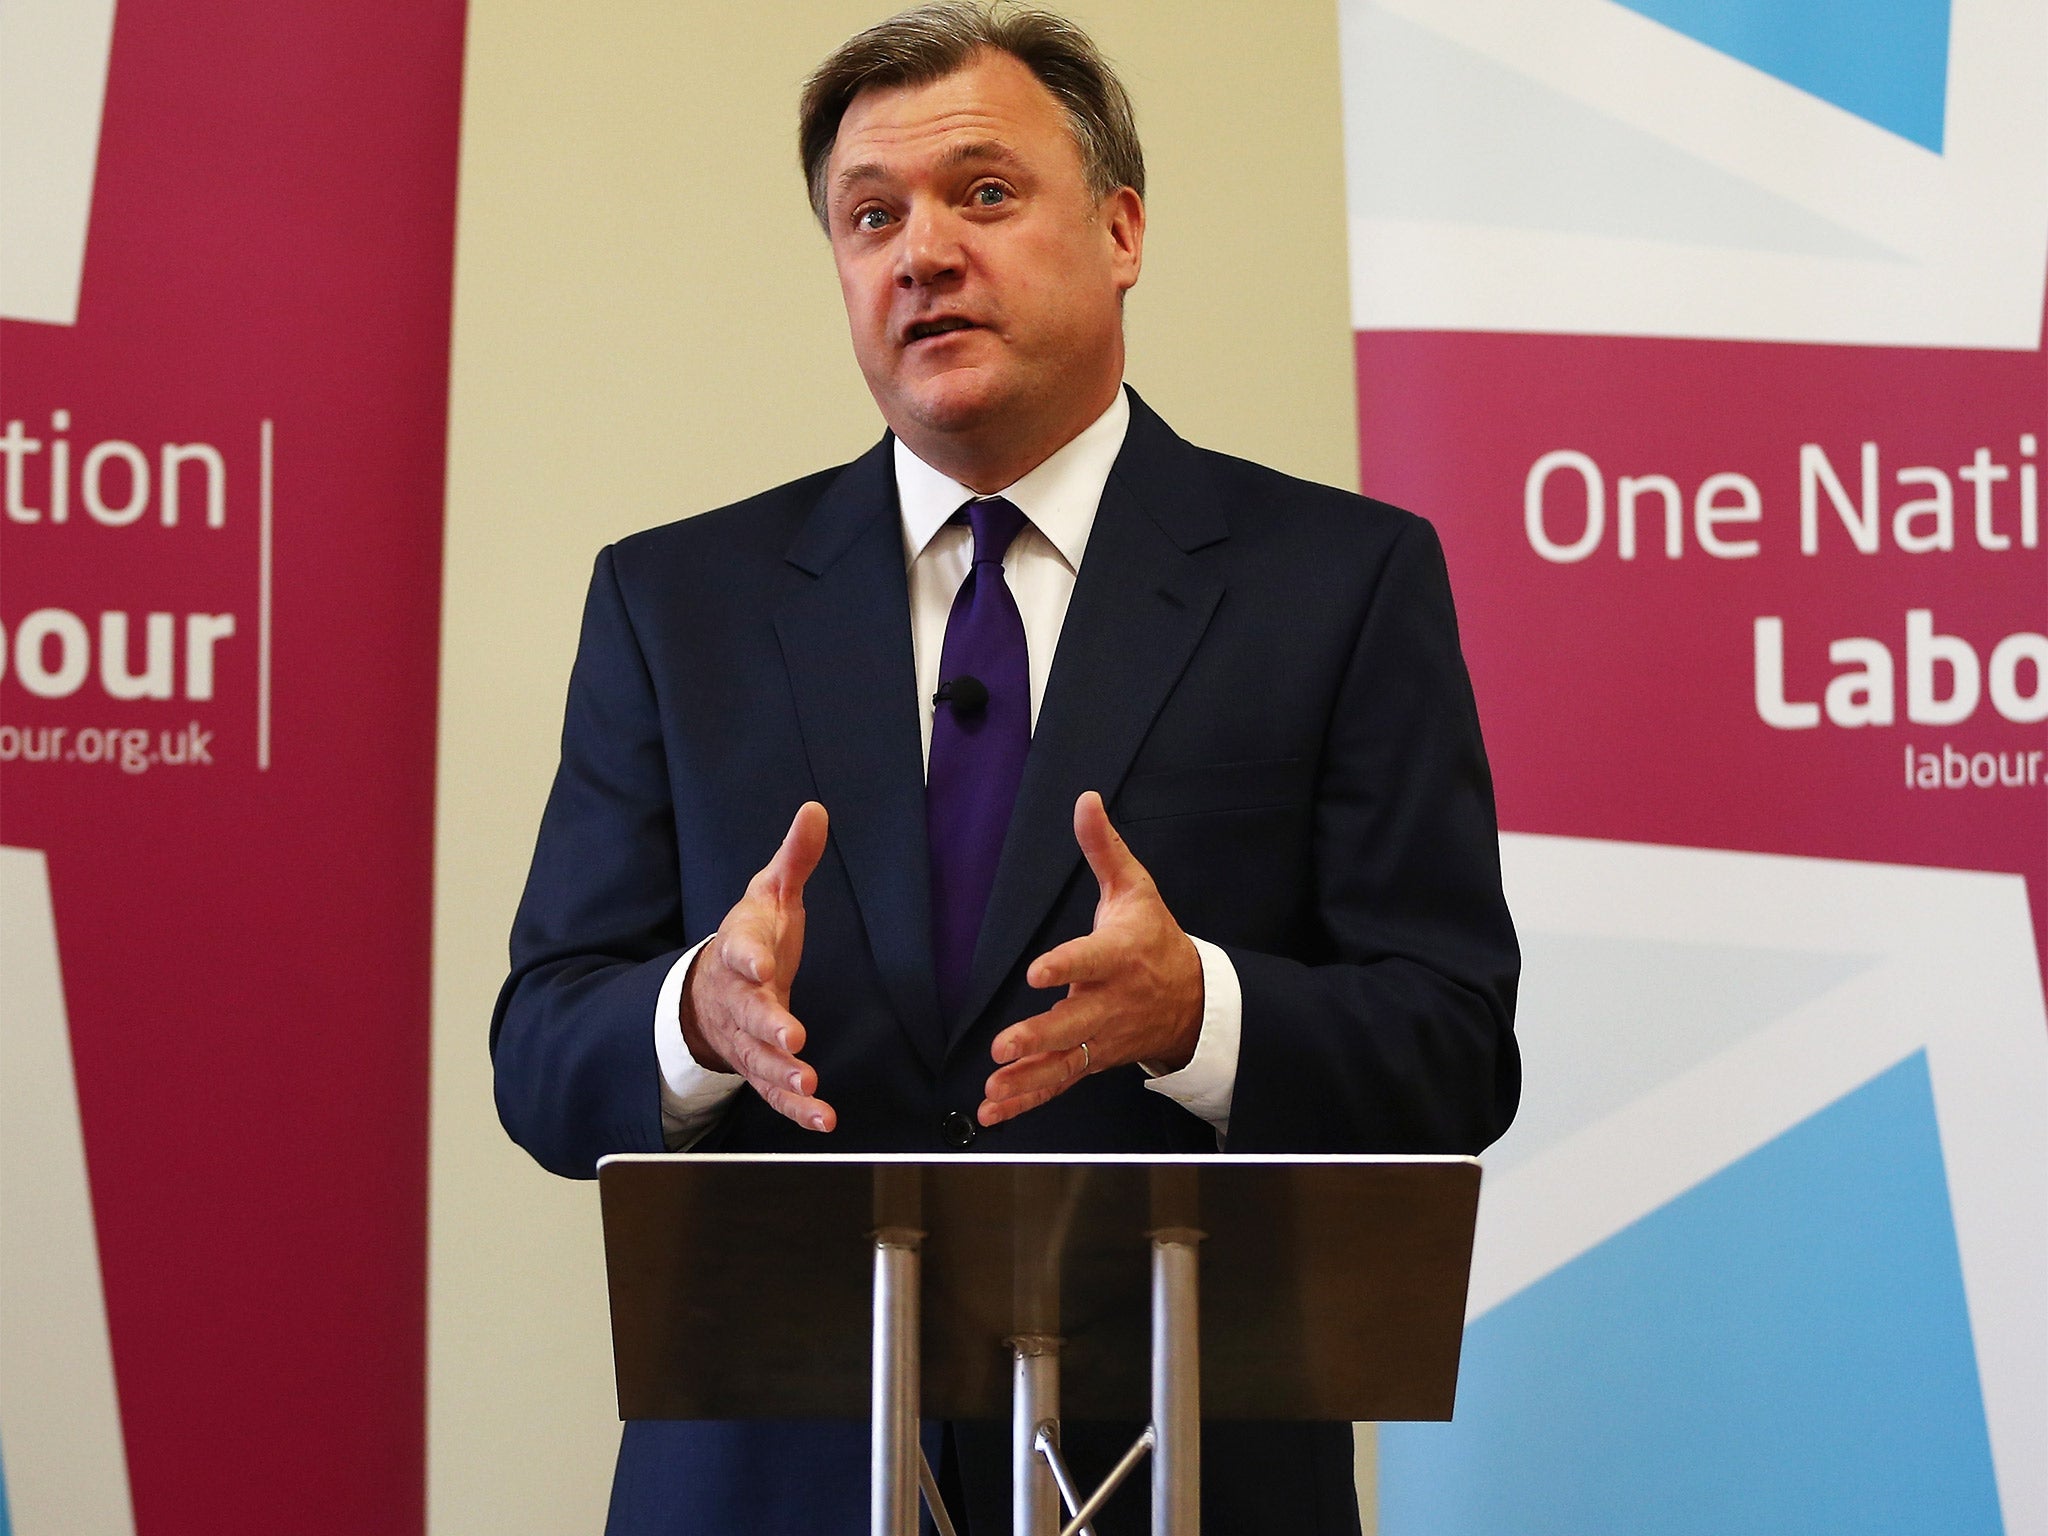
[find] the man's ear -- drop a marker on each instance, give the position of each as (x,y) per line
(1123,220)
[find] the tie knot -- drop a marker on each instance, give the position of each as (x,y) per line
(995,523)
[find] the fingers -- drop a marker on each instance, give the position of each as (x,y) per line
(1091,957)
(743,1017)
(802,846)
(1049,1071)
(787,1085)
(996,1111)
(1061,1027)
(1107,854)
(760,1042)
(746,951)
(1026,1084)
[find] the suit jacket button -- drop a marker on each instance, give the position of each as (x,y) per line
(956,1130)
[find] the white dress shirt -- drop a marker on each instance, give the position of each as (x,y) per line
(1060,497)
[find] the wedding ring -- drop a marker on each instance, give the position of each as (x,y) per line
(1084,1058)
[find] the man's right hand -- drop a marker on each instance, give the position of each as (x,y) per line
(735,1005)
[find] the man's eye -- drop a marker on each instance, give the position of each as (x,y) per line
(870,219)
(989,195)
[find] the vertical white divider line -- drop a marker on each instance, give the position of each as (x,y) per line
(263,598)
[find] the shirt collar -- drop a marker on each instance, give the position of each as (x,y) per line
(1060,496)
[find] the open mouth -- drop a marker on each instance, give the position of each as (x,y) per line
(924,330)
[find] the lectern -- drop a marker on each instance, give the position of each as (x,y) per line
(1105,1287)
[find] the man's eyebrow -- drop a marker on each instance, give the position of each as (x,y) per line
(854,175)
(980,151)
(973,152)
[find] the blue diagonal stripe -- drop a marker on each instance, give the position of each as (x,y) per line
(1785,1348)
(1884,60)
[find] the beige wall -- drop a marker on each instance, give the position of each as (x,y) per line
(646,326)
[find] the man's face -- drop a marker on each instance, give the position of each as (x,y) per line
(983,281)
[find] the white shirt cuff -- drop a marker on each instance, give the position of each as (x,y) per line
(691,1095)
(1206,1084)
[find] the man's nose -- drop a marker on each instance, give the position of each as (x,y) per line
(930,250)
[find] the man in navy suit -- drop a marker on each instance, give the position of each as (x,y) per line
(1233,883)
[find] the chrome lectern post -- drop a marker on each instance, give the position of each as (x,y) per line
(1034,1433)
(1176,1384)
(894,1454)
(894,1450)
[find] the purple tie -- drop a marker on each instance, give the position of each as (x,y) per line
(981,729)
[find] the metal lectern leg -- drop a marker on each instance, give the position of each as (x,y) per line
(1034,1409)
(894,1451)
(1176,1384)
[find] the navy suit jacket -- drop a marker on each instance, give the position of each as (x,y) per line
(1261,676)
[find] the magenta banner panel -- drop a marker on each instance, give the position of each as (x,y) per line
(227,294)
(1709,333)
(1757,596)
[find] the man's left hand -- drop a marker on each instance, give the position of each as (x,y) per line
(1134,986)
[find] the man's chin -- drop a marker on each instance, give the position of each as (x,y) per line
(960,402)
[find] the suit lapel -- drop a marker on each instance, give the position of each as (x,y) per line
(1140,607)
(845,636)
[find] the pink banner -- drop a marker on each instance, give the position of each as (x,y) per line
(220,609)
(1763,596)
(1710,335)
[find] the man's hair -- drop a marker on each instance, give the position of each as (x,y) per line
(929,42)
